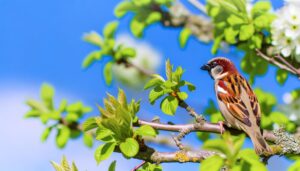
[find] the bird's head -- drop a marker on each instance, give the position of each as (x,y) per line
(219,67)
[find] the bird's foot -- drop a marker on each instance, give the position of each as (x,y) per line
(221,124)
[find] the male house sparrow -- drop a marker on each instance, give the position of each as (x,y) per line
(237,102)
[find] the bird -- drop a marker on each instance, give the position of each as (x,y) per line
(237,101)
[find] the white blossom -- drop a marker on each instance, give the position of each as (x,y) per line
(293,117)
(146,57)
(285,29)
(287,98)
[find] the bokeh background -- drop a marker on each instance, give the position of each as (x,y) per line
(41,41)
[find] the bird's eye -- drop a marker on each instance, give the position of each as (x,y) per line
(214,64)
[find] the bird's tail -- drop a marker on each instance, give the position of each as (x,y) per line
(260,145)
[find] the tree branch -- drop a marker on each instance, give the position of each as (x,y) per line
(179,16)
(150,155)
(205,127)
(284,65)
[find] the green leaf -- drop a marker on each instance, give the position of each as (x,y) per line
(246,32)
(122,98)
(182,95)
(203,136)
(252,159)
(279,118)
(104,134)
(107,72)
(65,164)
(46,134)
(110,29)
(295,166)
(234,20)
(169,105)
(155,93)
(191,87)
(128,52)
(137,27)
(217,43)
(153,17)
(89,124)
(75,107)
(150,167)
(238,143)
(230,35)
(281,76)
(123,7)
(74,167)
(47,94)
(146,130)
(141,3)
(263,21)
(104,151)
(88,140)
(72,117)
(169,68)
(260,7)
(91,58)
(32,114)
(93,38)
(112,166)
(130,147)
(153,82)
(63,106)
(213,163)
(57,167)
(217,145)
(62,136)
(184,36)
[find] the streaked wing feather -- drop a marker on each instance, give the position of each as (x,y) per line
(234,85)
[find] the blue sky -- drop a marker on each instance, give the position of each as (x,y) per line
(41,41)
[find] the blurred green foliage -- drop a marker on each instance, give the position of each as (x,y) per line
(118,53)
(232,156)
(146,12)
(64,119)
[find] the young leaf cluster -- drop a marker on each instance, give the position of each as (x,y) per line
(169,88)
(108,47)
(248,30)
(64,165)
(146,12)
(65,118)
(234,157)
(115,127)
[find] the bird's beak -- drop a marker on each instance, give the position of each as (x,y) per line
(205,67)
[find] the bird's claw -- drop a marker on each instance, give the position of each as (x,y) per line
(222,130)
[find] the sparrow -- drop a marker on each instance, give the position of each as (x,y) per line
(237,102)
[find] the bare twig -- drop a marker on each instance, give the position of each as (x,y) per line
(199,118)
(137,67)
(278,56)
(283,64)
(138,166)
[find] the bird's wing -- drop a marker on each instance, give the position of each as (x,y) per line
(235,92)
